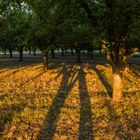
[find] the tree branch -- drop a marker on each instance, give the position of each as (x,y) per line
(91,16)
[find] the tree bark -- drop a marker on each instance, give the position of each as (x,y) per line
(34,52)
(62,52)
(91,54)
(66,51)
(52,53)
(4,52)
(45,60)
(21,55)
(11,54)
(78,55)
(88,52)
(100,51)
(117,86)
(29,51)
(72,52)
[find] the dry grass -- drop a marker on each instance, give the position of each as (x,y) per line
(68,102)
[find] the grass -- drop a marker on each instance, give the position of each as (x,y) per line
(68,102)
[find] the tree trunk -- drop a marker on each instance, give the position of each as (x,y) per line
(21,55)
(72,52)
(45,60)
(4,52)
(117,86)
(62,52)
(91,54)
(78,55)
(29,51)
(83,51)
(66,51)
(11,54)
(100,51)
(34,52)
(88,52)
(52,53)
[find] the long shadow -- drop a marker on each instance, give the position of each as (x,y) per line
(135,70)
(49,128)
(116,124)
(104,81)
(28,80)
(7,114)
(4,71)
(22,84)
(17,70)
(86,125)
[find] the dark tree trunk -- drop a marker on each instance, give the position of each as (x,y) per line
(45,59)
(100,51)
(78,55)
(34,51)
(4,52)
(83,51)
(62,52)
(20,54)
(11,54)
(72,52)
(29,51)
(52,53)
(88,52)
(91,54)
(66,51)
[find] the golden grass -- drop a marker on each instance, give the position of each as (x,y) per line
(68,102)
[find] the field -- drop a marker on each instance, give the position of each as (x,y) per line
(70,101)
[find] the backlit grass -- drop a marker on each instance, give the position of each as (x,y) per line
(67,102)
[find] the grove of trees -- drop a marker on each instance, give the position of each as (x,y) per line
(47,25)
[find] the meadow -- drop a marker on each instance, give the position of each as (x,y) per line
(69,101)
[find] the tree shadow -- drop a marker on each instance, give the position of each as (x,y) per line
(18,69)
(104,81)
(22,84)
(12,63)
(135,70)
(7,114)
(49,128)
(2,71)
(86,125)
(117,122)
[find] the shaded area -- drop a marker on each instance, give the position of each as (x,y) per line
(31,79)
(2,71)
(86,125)
(135,69)
(70,75)
(49,128)
(123,125)
(104,81)
(22,84)
(13,63)
(8,112)
(17,70)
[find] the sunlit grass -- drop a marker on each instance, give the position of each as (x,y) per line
(70,100)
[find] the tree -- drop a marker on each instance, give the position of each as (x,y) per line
(46,24)
(16,32)
(116,22)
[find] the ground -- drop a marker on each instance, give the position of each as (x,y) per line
(70,101)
